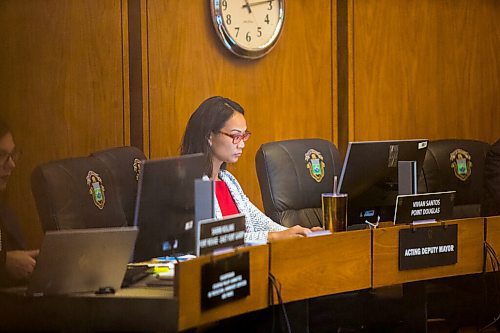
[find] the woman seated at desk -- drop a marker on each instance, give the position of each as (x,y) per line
(218,130)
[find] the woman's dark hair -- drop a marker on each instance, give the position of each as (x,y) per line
(209,118)
(4,128)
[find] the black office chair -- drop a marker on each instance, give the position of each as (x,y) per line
(76,193)
(292,175)
(456,165)
(124,164)
(491,196)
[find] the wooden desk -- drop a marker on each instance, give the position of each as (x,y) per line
(306,268)
(133,309)
(493,237)
(188,276)
(318,266)
(385,254)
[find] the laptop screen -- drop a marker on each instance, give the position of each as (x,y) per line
(82,260)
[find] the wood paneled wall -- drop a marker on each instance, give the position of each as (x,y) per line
(62,88)
(424,68)
(403,69)
(287,94)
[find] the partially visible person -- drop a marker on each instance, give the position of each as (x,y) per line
(491,196)
(16,264)
(218,129)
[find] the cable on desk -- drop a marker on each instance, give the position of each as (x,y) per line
(495,265)
(277,287)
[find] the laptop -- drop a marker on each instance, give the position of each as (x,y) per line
(82,260)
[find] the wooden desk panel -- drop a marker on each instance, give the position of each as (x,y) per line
(385,254)
(312,267)
(129,310)
(493,237)
(189,289)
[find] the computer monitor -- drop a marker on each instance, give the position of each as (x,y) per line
(164,210)
(370,177)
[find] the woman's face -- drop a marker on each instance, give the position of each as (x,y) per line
(223,148)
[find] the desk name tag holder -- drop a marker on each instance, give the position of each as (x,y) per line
(424,208)
(218,235)
(225,280)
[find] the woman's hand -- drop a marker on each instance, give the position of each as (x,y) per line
(294,232)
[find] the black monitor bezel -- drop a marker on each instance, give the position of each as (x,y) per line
(368,168)
(176,183)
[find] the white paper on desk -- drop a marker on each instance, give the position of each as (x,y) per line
(255,242)
(166,275)
(319,233)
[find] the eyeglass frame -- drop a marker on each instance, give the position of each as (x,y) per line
(237,138)
(14,155)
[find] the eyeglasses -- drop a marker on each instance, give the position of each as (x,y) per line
(237,138)
(5,157)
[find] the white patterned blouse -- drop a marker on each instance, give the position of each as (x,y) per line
(257,223)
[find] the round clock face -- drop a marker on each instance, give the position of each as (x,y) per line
(248,28)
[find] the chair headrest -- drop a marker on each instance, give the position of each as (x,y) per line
(124,161)
(292,174)
(456,165)
(76,193)
(124,164)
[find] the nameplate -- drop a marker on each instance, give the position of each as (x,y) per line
(413,208)
(428,247)
(225,280)
(217,234)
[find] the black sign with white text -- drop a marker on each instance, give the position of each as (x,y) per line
(225,280)
(424,207)
(216,234)
(428,247)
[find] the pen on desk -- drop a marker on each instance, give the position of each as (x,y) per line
(158,269)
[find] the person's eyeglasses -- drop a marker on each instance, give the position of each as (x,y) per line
(5,157)
(237,138)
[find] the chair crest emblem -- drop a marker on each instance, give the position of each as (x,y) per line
(137,168)
(461,163)
(315,164)
(96,189)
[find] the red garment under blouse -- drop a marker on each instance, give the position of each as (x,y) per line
(225,199)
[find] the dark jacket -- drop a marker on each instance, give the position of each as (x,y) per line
(2,255)
(11,239)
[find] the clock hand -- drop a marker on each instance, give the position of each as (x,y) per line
(248,6)
(258,2)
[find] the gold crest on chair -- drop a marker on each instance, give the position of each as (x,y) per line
(137,168)
(96,189)
(461,163)
(315,164)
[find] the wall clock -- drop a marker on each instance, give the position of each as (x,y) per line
(248,28)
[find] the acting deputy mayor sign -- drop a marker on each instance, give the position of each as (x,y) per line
(423,247)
